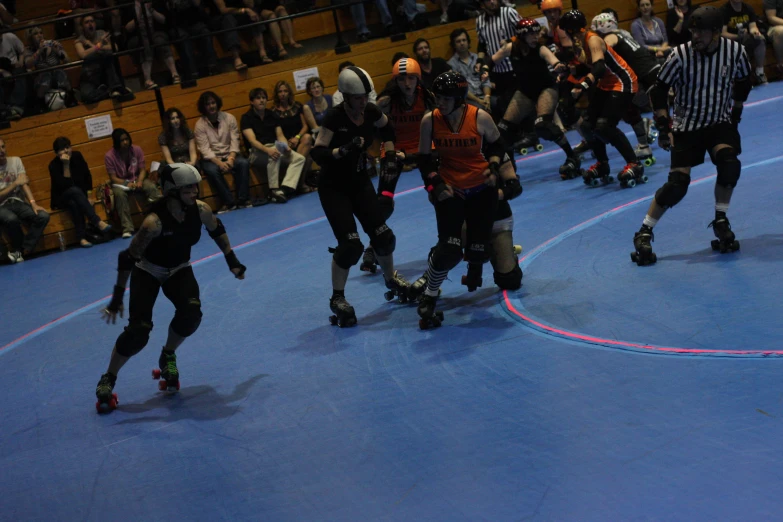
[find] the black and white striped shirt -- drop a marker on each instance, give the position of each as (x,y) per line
(703,83)
(492,29)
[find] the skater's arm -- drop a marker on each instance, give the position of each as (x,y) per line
(387,135)
(550,58)
(491,134)
(384,104)
(218,232)
(502,53)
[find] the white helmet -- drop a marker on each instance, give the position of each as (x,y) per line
(354,80)
(604,23)
(177,175)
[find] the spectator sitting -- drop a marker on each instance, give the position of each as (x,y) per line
(100,76)
(128,173)
(105,20)
(337,97)
(260,129)
(649,31)
(177,142)
(12,56)
(774,11)
(235,13)
(71,185)
(217,139)
(292,125)
(52,88)
(360,19)
(464,62)
(739,24)
(319,102)
(153,39)
(270,10)
(431,68)
(18,206)
(677,22)
(185,20)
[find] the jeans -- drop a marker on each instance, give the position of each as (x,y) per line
(15,212)
(75,201)
(360,19)
(217,181)
(98,70)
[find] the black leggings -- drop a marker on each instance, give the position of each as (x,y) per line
(342,202)
(606,110)
(79,207)
(478,213)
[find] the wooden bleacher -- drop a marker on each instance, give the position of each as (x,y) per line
(31,138)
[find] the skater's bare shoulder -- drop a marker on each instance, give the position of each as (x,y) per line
(206,215)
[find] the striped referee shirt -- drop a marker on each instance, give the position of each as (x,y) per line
(492,29)
(703,84)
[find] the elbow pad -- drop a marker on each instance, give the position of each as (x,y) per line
(659,95)
(321,154)
(498,148)
(741,89)
(426,165)
(219,231)
(511,189)
(598,70)
(387,133)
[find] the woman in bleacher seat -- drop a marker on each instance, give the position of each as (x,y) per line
(177,142)
(100,77)
(128,173)
(71,184)
(319,102)
(677,22)
(293,117)
(270,10)
(649,30)
(230,14)
(141,35)
(186,20)
(52,88)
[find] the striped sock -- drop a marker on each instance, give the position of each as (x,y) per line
(434,280)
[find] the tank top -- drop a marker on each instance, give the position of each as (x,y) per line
(172,247)
(532,71)
(407,122)
(619,76)
(462,164)
(638,57)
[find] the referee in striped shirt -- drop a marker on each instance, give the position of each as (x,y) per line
(495,26)
(708,74)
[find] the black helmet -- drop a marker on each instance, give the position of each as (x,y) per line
(706,17)
(573,21)
(451,85)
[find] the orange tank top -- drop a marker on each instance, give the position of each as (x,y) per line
(462,164)
(407,124)
(618,76)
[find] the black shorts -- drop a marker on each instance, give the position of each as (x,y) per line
(690,146)
(609,105)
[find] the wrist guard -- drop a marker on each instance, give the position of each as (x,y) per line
(116,299)
(390,174)
(354,144)
(233,262)
(663,124)
(585,84)
(435,186)
(511,189)
(125,261)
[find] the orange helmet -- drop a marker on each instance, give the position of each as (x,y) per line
(406,66)
(551,4)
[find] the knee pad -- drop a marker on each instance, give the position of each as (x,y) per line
(478,252)
(187,319)
(607,132)
(349,251)
(729,167)
(547,129)
(384,241)
(134,338)
(586,129)
(508,130)
(673,190)
(510,280)
(446,254)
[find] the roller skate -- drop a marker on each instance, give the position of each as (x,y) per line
(167,372)
(725,242)
(642,243)
(473,279)
(631,174)
(571,168)
(517,249)
(344,316)
(597,173)
(583,148)
(417,288)
(528,144)
(430,318)
(398,287)
(107,400)
(644,155)
(369,261)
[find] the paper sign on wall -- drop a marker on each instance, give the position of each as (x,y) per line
(301,77)
(99,127)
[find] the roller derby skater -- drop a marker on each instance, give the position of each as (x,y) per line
(703,124)
(461,187)
(159,258)
(616,83)
(536,93)
(345,189)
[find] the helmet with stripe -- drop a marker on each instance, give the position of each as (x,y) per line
(406,66)
(354,80)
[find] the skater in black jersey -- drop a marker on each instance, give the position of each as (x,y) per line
(345,189)
(710,76)
(536,91)
(159,258)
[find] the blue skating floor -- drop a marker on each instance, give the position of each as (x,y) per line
(598,391)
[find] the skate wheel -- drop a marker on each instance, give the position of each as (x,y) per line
(594,182)
(106,407)
(715,244)
(644,179)
(333,320)
(523,152)
(735,246)
(647,163)
(163,386)
(517,249)
(423,324)
(539,147)
(631,183)
(388,295)
(608,179)
(156,373)
(634,256)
